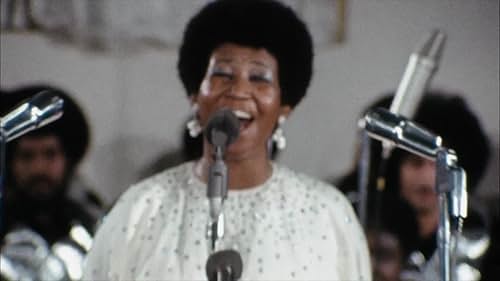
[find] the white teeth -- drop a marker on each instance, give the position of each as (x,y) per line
(242,114)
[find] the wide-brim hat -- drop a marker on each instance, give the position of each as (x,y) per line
(72,128)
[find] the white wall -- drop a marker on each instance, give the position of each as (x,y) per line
(136,104)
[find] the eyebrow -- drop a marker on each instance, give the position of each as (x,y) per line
(256,62)
(260,63)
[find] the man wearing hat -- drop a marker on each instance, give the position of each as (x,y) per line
(47,220)
(408,206)
(40,167)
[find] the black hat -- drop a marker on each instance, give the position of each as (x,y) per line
(255,23)
(72,128)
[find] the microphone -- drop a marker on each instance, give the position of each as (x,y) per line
(383,125)
(224,265)
(422,65)
(419,71)
(450,179)
(223,128)
(40,110)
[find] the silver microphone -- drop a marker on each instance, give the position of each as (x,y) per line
(383,125)
(419,71)
(40,110)
(222,129)
(421,66)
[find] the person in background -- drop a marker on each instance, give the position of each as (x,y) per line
(255,59)
(490,265)
(386,254)
(41,205)
(409,205)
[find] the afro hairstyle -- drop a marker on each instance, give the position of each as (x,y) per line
(72,128)
(254,23)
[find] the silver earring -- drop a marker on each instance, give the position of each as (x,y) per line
(193,125)
(278,135)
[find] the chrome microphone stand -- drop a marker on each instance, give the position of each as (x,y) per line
(216,194)
(452,196)
(222,265)
(450,178)
(422,65)
(363,177)
(3,144)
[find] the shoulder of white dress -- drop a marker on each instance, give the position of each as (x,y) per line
(304,178)
(162,183)
(303,181)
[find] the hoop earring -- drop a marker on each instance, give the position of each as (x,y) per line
(278,135)
(193,125)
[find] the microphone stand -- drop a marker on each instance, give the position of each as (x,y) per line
(452,195)
(363,177)
(421,67)
(450,182)
(224,265)
(216,193)
(3,144)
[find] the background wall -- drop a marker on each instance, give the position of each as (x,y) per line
(136,104)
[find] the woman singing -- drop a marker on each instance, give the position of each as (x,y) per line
(254,58)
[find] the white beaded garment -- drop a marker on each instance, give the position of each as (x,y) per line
(291,227)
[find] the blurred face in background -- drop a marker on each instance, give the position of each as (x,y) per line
(386,255)
(39,166)
(417,177)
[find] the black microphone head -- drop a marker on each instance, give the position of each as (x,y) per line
(222,128)
(228,263)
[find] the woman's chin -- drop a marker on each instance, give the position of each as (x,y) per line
(240,150)
(236,151)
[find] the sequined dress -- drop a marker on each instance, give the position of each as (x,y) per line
(291,227)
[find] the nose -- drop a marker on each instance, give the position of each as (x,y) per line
(428,164)
(241,88)
(428,169)
(39,164)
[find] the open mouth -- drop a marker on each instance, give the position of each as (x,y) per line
(244,117)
